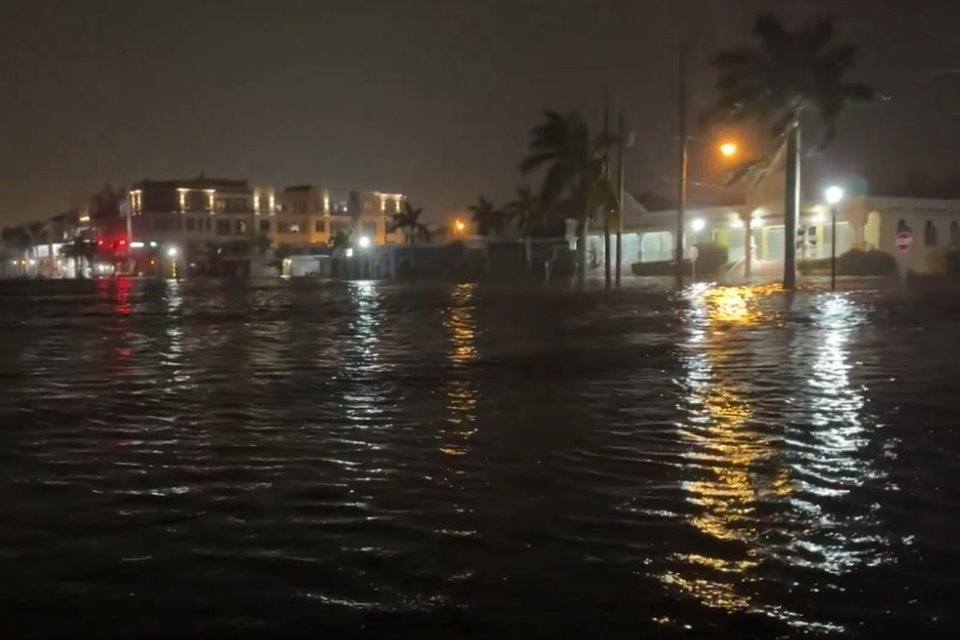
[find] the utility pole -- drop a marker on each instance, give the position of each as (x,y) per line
(606,174)
(682,132)
(620,134)
(791,209)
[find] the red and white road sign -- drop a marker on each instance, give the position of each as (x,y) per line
(904,240)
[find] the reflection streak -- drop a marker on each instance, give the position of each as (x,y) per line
(461,388)
(744,467)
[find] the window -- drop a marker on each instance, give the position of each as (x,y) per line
(223,227)
(929,234)
(319,226)
(191,223)
(954,234)
(241,226)
(902,226)
(289,227)
(265,226)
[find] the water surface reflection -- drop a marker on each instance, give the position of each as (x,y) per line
(759,459)
(213,459)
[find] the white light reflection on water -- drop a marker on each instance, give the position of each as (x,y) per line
(768,467)
(826,450)
(364,402)
(173,355)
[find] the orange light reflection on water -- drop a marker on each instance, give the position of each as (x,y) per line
(461,388)
(726,450)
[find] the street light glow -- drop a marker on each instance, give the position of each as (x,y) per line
(834,194)
(728,149)
(363,242)
(459,226)
(172,252)
(697,224)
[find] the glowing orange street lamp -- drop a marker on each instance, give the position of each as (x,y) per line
(728,149)
(459,227)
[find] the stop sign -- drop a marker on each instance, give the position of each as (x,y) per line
(904,240)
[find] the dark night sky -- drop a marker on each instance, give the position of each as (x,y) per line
(430,97)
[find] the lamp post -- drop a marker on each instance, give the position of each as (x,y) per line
(172,254)
(833,195)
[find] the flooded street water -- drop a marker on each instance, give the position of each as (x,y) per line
(201,458)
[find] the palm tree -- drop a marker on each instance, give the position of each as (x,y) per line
(490,220)
(38,233)
(792,74)
(408,220)
(81,249)
(525,212)
(574,164)
(341,242)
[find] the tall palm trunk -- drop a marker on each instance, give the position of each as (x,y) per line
(791,208)
(582,255)
(606,251)
(528,252)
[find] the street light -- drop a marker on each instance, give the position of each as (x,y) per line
(363,242)
(459,226)
(172,254)
(833,195)
(697,224)
(728,149)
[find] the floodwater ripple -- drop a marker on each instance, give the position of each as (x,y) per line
(204,457)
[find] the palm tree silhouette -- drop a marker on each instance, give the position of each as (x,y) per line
(408,221)
(574,162)
(794,73)
(526,213)
(490,220)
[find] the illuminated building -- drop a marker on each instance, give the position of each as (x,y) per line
(307,215)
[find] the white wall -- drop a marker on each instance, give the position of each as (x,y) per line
(915,213)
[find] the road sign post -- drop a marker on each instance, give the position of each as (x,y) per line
(904,240)
(694,253)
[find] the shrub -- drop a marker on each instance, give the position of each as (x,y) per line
(854,263)
(711,258)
